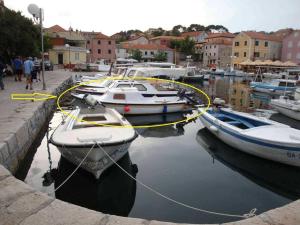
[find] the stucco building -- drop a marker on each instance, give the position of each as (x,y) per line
(101,47)
(291,47)
(217,50)
(149,51)
(197,36)
(164,40)
(253,46)
(69,47)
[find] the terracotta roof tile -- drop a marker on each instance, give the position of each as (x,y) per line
(55,28)
(167,38)
(191,34)
(145,46)
(223,34)
(261,36)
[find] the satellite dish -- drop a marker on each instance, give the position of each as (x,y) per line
(34,10)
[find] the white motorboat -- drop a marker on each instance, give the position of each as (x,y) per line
(254,135)
(85,127)
(287,107)
(275,86)
(147,88)
(156,72)
(130,100)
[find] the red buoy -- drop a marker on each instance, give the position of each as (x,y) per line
(126,108)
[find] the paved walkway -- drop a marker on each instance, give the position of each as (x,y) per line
(12,110)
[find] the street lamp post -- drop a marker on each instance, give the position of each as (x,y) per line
(37,14)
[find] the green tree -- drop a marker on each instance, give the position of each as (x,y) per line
(18,35)
(186,46)
(136,54)
(158,32)
(161,56)
(176,30)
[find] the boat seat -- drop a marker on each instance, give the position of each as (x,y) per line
(234,122)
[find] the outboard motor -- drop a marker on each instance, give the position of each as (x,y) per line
(90,100)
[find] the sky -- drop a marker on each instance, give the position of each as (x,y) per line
(111,16)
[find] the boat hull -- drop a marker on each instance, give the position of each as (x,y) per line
(97,161)
(255,147)
(286,109)
(138,109)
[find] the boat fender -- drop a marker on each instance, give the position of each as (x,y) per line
(126,108)
(213,128)
(165,109)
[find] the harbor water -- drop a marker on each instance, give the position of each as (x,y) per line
(184,162)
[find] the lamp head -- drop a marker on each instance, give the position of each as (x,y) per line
(34,10)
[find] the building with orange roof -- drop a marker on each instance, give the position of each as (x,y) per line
(251,45)
(197,36)
(101,47)
(149,51)
(141,39)
(216,50)
(164,40)
(69,47)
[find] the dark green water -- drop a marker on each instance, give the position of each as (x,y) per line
(185,163)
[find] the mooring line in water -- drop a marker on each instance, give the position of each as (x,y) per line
(247,215)
(73,171)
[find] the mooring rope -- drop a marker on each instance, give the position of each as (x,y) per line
(73,171)
(247,215)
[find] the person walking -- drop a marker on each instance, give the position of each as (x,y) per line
(28,68)
(37,69)
(18,68)
(2,67)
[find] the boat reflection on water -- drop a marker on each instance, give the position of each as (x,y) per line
(157,119)
(114,193)
(277,177)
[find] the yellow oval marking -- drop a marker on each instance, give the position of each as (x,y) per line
(139,126)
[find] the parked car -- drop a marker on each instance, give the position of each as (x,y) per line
(48,65)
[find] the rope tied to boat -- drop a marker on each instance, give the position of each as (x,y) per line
(244,216)
(73,171)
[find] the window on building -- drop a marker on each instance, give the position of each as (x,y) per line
(289,55)
(99,42)
(266,44)
(290,44)
(109,51)
(256,43)
(206,53)
(210,46)
(146,53)
(245,54)
(76,56)
(152,53)
(209,54)
(109,42)
(236,54)
(90,50)
(256,54)
(205,47)
(236,43)
(245,43)
(88,42)
(99,51)
(215,46)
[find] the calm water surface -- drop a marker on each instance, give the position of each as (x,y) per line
(186,163)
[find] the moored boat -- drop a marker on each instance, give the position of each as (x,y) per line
(86,128)
(275,86)
(129,100)
(287,107)
(254,135)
